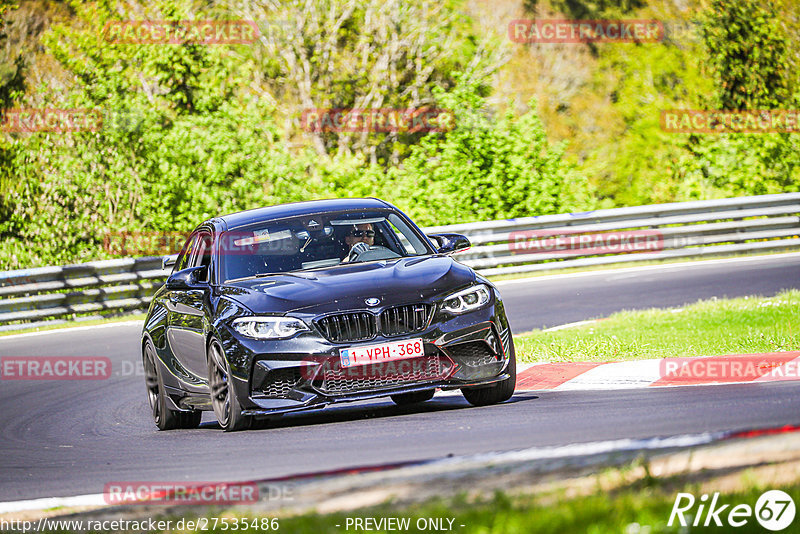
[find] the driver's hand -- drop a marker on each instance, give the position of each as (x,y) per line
(357,249)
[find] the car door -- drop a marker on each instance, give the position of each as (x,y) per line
(187,319)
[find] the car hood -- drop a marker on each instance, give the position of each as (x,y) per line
(347,286)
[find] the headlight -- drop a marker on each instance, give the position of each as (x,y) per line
(466,300)
(269,327)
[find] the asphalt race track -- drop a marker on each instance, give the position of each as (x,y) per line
(73,437)
(566,299)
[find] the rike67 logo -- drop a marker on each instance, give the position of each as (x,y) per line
(774,510)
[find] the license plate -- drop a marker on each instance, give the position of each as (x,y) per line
(384,352)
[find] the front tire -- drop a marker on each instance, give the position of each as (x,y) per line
(164,416)
(499,392)
(223,398)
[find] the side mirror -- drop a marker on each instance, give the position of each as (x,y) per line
(188,278)
(450,243)
(169,261)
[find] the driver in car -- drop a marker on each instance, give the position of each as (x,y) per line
(359,238)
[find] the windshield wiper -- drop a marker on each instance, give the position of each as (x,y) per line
(264,275)
(242,279)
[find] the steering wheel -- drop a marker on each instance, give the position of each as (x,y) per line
(355,251)
(369,253)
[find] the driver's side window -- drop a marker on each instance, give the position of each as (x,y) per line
(186,254)
(201,253)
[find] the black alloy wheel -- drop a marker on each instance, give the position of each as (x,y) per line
(223,398)
(164,416)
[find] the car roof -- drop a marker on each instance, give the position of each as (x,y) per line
(243,218)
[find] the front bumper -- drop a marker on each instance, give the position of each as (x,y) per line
(304,373)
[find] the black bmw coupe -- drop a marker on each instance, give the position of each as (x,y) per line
(297,306)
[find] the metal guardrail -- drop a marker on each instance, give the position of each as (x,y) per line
(683,230)
(101,287)
(523,245)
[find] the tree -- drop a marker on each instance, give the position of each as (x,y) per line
(486,167)
(371,54)
(183,139)
(12,87)
(748,54)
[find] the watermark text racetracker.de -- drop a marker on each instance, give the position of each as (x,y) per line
(198,524)
(192,493)
(67,368)
(585,31)
(144,243)
(70,120)
(735,368)
(724,121)
(566,241)
(335,372)
(55,368)
(377,120)
(53,120)
(257,242)
(207,32)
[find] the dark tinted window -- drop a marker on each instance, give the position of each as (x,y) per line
(201,253)
(186,254)
(316,241)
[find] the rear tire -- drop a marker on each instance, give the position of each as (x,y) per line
(164,417)
(499,392)
(223,398)
(404,399)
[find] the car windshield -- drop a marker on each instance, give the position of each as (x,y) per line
(316,241)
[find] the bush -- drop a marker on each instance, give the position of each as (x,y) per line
(486,167)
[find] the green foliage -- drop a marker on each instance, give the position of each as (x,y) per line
(192,130)
(748,54)
(486,167)
(633,161)
(591,9)
(12,86)
(625,499)
(606,98)
(182,140)
(374,54)
(189,132)
(727,165)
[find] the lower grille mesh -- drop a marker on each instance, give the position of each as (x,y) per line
(335,379)
(280,382)
(474,354)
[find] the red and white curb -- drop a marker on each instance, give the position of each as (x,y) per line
(696,371)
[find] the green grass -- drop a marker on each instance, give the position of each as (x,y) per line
(641,507)
(706,328)
(625,500)
(634,510)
